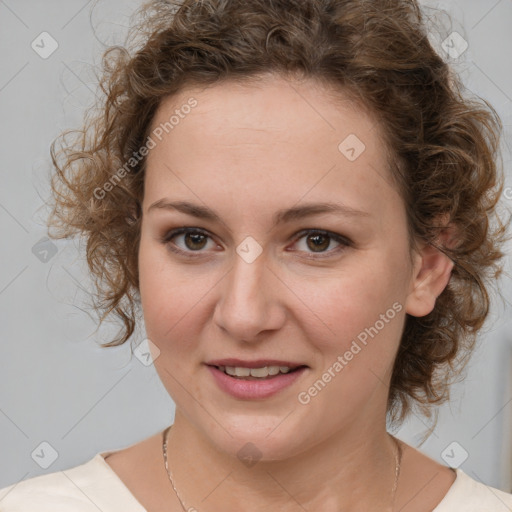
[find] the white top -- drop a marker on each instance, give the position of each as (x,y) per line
(94,486)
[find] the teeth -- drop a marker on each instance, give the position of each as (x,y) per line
(259,372)
(238,371)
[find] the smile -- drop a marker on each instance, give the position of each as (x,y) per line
(255,373)
(254,383)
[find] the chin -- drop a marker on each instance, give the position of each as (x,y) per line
(262,439)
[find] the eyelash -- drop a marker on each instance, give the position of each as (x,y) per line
(343,241)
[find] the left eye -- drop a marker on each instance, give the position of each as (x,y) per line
(194,240)
(318,241)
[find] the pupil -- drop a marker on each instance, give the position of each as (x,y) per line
(316,245)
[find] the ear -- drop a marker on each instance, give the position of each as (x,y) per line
(134,214)
(431,274)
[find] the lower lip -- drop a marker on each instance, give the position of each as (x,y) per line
(254,389)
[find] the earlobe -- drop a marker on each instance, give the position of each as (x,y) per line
(432,272)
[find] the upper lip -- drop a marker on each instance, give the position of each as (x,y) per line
(257,363)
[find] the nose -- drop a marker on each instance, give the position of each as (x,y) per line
(249,304)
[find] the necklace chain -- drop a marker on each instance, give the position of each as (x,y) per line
(169,473)
(398,461)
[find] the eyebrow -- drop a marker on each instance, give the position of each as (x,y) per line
(280,217)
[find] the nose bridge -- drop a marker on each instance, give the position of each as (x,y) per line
(248,304)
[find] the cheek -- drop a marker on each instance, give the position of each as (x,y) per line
(161,291)
(356,327)
(172,299)
(345,306)
(151,276)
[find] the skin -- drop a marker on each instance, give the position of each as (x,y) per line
(247,151)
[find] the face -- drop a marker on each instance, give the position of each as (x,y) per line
(254,270)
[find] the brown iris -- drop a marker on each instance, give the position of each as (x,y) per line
(198,240)
(317,244)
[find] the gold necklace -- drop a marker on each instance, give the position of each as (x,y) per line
(398,461)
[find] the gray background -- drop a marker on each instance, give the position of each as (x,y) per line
(57,385)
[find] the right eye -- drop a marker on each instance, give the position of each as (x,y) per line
(193,241)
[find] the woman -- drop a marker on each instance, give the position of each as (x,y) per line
(300,200)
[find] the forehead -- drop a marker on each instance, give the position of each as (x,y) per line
(266,105)
(275,136)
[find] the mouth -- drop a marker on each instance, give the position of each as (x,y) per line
(255,370)
(249,380)
(261,373)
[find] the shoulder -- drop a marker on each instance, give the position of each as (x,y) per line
(89,487)
(432,486)
(469,495)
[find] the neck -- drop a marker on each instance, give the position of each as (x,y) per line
(350,470)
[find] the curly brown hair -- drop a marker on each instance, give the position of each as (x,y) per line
(444,149)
